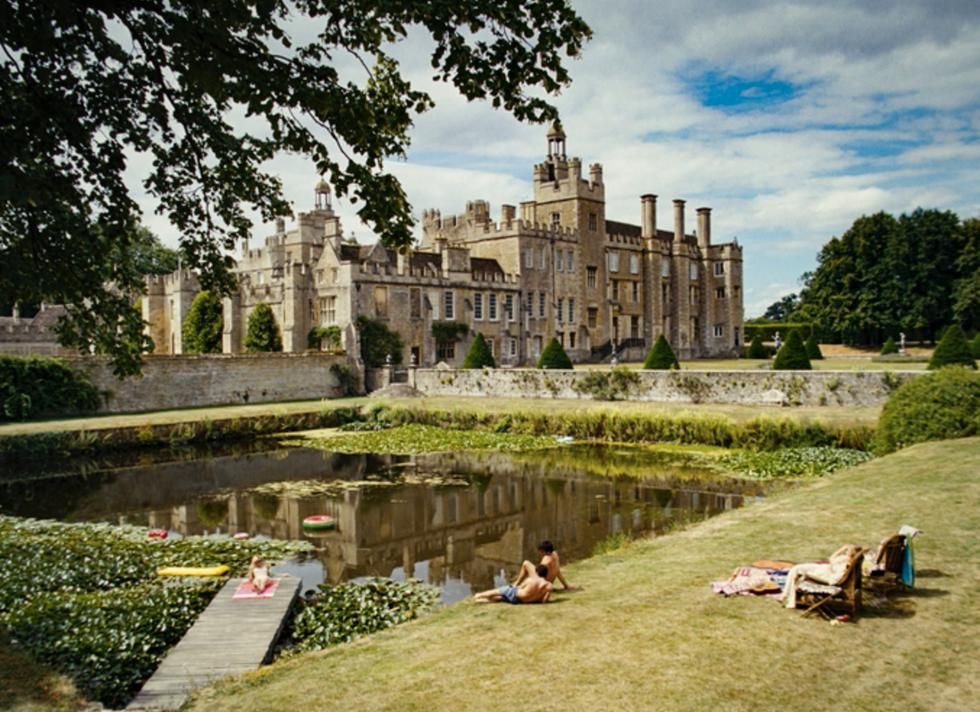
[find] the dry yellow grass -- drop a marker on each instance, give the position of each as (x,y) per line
(647,633)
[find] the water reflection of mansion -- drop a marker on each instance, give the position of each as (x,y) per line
(468,533)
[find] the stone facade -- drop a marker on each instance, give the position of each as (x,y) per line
(560,269)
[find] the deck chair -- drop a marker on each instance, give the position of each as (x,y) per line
(886,570)
(823,598)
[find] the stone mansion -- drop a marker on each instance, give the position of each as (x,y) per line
(554,267)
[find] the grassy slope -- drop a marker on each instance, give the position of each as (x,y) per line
(29,687)
(647,633)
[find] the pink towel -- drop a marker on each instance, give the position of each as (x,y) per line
(245,590)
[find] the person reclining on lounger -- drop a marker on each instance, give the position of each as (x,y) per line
(534,589)
(549,558)
(258,574)
(831,573)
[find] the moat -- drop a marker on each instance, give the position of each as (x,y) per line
(460,521)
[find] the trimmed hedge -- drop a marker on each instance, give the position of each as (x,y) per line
(756,347)
(554,357)
(37,387)
(479,355)
(661,356)
(943,404)
(262,334)
(792,356)
(203,325)
(953,350)
(813,351)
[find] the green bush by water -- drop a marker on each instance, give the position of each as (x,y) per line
(38,387)
(940,405)
(342,613)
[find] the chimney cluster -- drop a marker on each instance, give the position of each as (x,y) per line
(648,220)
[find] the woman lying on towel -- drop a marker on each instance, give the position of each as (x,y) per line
(831,573)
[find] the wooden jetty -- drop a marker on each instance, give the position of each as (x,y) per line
(232,636)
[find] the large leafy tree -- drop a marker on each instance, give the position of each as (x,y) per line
(85,87)
(967,293)
(885,275)
(782,309)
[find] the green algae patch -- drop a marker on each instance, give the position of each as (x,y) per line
(417,439)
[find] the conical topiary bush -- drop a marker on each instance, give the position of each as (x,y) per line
(889,347)
(554,356)
(479,355)
(203,325)
(661,356)
(813,347)
(953,350)
(792,355)
(976,346)
(756,347)
(262,333)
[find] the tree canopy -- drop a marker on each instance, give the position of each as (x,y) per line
(887,275)
(86,88)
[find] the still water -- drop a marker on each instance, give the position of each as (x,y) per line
(460,521)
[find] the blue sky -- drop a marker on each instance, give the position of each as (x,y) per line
(789,119)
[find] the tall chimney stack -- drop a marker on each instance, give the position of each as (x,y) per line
(678,220)
(704,227)
(648,215)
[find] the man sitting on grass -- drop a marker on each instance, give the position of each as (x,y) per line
(534,589)
(549,559)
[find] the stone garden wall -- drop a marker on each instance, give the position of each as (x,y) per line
(216,379)
(833,388)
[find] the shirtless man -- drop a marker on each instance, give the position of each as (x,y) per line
(549,558)
(535,589)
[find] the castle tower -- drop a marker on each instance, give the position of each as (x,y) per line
(563,199)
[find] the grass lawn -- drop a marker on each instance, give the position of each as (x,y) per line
(647,633)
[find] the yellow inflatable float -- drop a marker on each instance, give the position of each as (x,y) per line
(219,570)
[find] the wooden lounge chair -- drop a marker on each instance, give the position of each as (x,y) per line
(845,595)
(886,573)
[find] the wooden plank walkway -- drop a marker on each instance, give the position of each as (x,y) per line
(230,637)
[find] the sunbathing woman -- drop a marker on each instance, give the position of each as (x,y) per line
(258,574)
(831,573)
